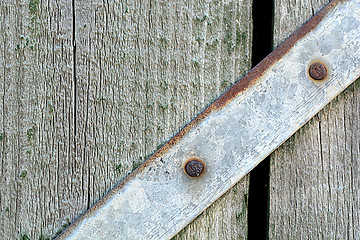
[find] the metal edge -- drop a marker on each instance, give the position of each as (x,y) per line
(240,86)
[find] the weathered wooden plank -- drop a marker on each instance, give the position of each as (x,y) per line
(144,205)
(314,176)
(36,111)
(71,130)
(154,66)
(231,25)
(224,219)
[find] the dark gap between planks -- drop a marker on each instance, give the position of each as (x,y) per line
(258,207)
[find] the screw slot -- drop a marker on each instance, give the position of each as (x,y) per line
(317,71)
(194,167)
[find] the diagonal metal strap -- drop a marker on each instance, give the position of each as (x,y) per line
(233,134)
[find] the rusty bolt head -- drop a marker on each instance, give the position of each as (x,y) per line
(317,71)
(194,168)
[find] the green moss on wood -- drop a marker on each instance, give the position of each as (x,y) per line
(199,39)
(65,225)
(135,165)
(118,168)
(163,106)
(224,83)
(357,83)
(33,6)
(240,37)
(201,18)
(242,214)
(43,238)
(23,174)
(31,133)
(228,26)
(24,237)
(164,40)
(51,108)
(212,44)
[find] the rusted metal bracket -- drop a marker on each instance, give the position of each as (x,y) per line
(235,133)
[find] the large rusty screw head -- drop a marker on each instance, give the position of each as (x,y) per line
(317,71)
(194,168)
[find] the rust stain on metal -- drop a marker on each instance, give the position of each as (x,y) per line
(194,167)
(251,77)
(317,71)
(244,83)
(248,80)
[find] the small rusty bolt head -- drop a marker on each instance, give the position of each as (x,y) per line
(318,71)
(194,168)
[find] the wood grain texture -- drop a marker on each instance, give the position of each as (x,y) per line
(90,90)
(37,109)
(314,176)
(224,219)
(227,217)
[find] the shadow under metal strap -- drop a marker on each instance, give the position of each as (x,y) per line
(221,145)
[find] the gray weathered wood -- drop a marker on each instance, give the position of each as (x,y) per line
(158,199)
(71,130)
(36,112)
(227,217)
(224,219)
(314,176)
